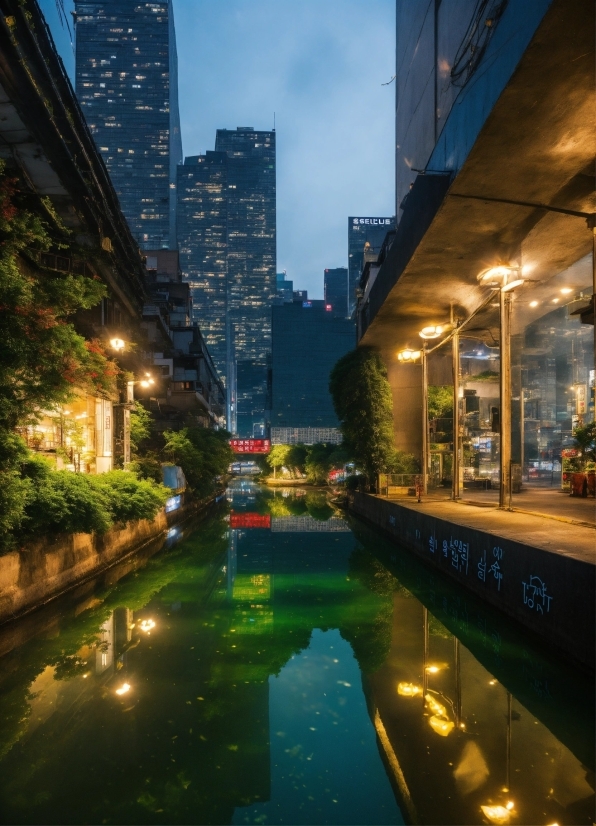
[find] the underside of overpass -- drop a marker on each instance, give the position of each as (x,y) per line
(536,147)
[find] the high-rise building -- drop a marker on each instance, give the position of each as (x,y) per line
(308,340)
(203,244)
(336,291)
(363,231)
(284,289)
(127,84)
(227,241)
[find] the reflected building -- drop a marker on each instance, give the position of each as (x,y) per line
(127,85)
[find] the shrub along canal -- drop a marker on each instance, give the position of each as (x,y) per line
(273,664)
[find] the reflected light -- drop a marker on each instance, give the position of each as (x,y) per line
(442,727)
(555,300)
(146,625)
(492,682)
(432,331)
(409,689)
(124,688)
(533,303)
(497,814)
(435,706)
(566,290)
(432,669)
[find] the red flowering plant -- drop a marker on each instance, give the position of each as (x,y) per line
(42,357)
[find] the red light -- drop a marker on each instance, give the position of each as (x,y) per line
(328,307)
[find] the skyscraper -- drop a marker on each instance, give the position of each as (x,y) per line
(360,232)
(336,291)
(203,244)
(227,242)
(308,339)
(127,84)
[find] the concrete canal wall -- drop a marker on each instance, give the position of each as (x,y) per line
(44,569)
(550,593)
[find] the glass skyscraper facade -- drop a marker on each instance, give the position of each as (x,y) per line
(127,84)
(308,340)
(336,290)
(360,232)
(203,245)
(227,242)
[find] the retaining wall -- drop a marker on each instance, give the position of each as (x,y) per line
(46,568)
(551,594)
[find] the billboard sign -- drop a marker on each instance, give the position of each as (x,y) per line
(250,445)
(250,520)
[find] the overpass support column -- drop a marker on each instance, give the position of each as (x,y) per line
(406,389)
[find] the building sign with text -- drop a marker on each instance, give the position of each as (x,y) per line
(250,445)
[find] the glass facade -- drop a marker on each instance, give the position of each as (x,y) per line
(307,342)
(227,242)
(336,291)
(363,231)
(202,243)
(127,85)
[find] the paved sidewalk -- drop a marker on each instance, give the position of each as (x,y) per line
(550,534)
(549,502)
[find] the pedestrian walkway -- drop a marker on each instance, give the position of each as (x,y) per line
(549,502)
(557,534)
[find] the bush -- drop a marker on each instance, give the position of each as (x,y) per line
(128,497)
(65,502)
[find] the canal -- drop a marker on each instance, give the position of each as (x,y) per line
(274,664)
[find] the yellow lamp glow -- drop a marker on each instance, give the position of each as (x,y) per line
(442,727)
(498,814)
(432,669)
(409,689)
(435,706)
(124,689)
(117,344)
(408,355)
(431,331)
(146,625)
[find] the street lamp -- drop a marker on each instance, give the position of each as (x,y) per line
(117,344)
(408,356)
(505,279)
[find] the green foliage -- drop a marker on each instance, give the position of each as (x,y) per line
(140,427)
(128,497)
(65,502)
(317,506)
(278,456)
(147,466)
(42,357)
(440,402)
(585,439)
(297,458)
(204,455)
(363,404)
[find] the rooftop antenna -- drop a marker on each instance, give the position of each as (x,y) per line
(274,121)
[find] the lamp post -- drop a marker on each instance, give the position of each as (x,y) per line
(504,279)
(412,357)
(456,463)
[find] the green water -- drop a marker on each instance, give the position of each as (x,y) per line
(271,665)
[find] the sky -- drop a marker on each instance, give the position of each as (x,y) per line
(319,65)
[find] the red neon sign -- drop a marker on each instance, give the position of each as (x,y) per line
(250,445)
(250,520)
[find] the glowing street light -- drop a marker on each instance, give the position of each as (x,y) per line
(117,344)
(409,356)
(432,331)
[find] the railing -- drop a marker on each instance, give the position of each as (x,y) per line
(398,484)
(61,263)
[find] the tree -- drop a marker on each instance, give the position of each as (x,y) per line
(585,439)
(278,457)
(204,455)
(141,421)
(297,458)
(43,360)
(364,406)
(440,402)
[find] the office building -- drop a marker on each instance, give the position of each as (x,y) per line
(227,242)
(203,245)
(363,231)
(284,289)
(307,341)
(127,85)
(336,291)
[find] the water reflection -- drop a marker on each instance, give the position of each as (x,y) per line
(285,674)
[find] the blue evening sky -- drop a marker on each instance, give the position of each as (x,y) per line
(319,65)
